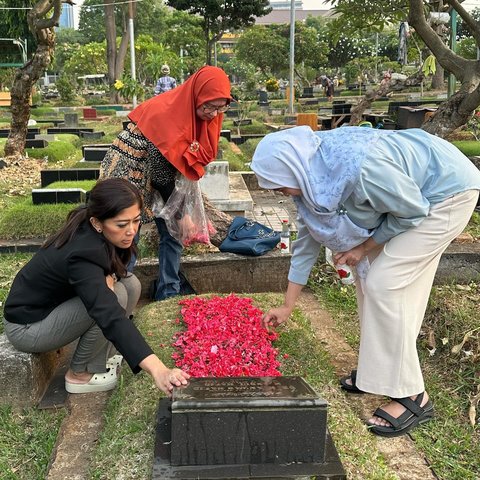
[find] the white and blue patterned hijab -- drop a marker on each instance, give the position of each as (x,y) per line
(325,166)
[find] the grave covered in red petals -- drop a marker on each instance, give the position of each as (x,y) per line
(238,417)
(224,337)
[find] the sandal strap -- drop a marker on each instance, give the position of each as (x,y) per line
(379,412)
(412,405)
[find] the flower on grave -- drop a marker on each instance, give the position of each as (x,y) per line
(224,337)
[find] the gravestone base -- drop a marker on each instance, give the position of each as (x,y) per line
(280,431)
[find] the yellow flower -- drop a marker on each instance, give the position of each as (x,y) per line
(118,85)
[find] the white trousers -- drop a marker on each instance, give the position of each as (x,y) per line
(394,298)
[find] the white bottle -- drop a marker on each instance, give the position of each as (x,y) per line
(346,274)
(285,237)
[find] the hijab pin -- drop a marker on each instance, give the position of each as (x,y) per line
(194,146)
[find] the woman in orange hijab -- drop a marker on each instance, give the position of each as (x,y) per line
(174,133)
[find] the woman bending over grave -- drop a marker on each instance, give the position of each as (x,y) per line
(76,287)
(388,203)
(170,135)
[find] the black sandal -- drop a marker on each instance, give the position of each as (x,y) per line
(414,415)
(350,388)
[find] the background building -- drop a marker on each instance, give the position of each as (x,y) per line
(66,17)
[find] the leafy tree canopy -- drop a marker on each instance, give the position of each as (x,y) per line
(13,23)
(149,19)
(219,16)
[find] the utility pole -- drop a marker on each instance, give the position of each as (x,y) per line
(292,57)
(132,48)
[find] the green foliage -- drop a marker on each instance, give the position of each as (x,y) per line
(267,50)
(371,16)
(89,59)
(67,87)
(128,87)
(467,48)
(219,17)
(150,19)
(6,78)
(13,23)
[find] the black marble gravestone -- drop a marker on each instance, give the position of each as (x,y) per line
(244,427)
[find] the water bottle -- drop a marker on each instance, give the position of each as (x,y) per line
(285,237)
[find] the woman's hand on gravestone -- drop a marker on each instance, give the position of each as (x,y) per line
(165,378)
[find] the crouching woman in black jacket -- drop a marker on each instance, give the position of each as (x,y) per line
(77,287)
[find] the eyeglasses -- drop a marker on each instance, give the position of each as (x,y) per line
(206,108)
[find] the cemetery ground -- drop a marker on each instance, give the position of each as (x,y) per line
(319,343)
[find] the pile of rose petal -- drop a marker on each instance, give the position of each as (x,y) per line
(224,337)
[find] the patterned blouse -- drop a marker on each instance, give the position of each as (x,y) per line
(135,158)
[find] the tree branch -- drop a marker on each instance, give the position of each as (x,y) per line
(447,59)
(472,25)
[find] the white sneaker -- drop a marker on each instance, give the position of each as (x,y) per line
(114,362)
(100,382)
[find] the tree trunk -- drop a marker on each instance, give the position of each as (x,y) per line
(220,220)
(386,86)
(448,117)
(438,78)
(42,27)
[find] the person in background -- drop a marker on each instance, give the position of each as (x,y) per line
(176,133)
(165,83)
(328,87)
(76,287)
(388,203)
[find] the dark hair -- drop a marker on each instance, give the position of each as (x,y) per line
(106,200)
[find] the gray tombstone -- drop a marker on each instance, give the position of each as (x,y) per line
(71,120)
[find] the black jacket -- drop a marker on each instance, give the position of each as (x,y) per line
(78,268)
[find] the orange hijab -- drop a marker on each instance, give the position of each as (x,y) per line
(169,121)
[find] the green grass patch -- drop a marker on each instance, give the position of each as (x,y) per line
(450,443)
(27,441)
(236,161)
(40,112)
(83,184)
(26,220)
(130,416)
(470,148)
(10,264)
(473,227)
(55,151)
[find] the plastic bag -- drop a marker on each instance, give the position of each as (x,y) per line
(184,213)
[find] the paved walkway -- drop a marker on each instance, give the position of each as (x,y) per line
(271,208)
